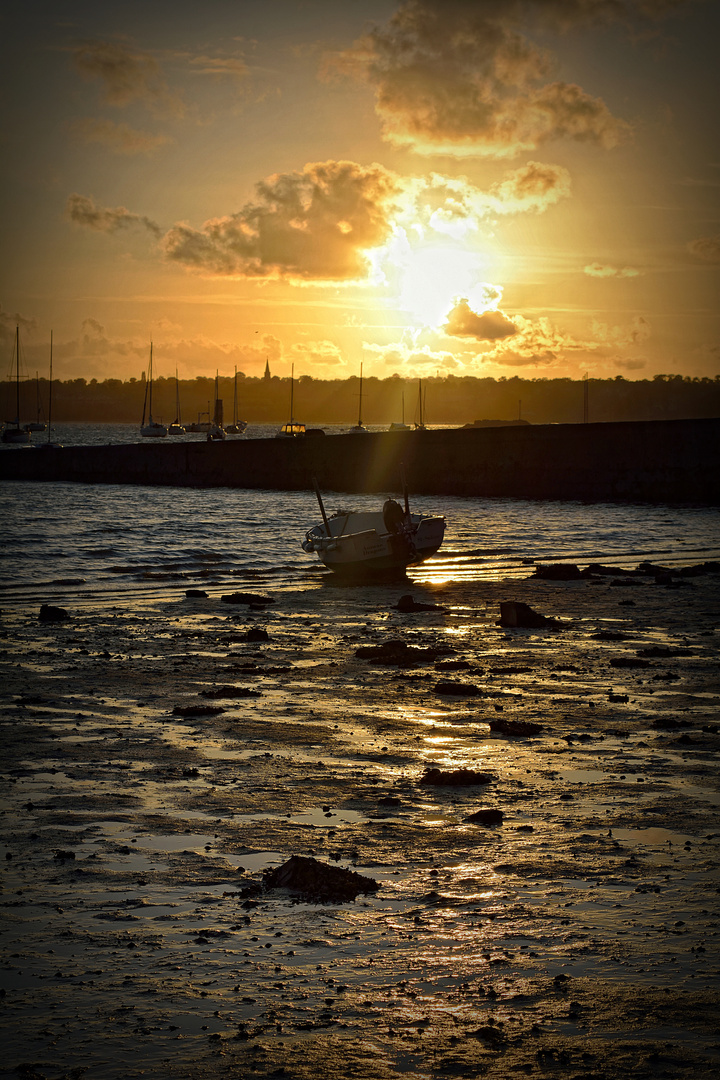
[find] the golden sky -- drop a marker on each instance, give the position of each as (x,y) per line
(518,187)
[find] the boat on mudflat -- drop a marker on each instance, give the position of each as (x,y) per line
(367,542)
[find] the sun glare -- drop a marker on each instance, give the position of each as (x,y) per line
(431,277)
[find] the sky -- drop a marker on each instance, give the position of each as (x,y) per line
(468,187)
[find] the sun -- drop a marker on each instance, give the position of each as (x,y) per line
(429,276)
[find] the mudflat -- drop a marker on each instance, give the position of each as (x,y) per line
(160,754)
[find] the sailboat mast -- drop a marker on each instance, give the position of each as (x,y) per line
(235,416)
(50,388)
(360,405)
(292,387)
(17,374)
(150,373)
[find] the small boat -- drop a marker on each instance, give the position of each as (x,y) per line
(238,426)
(177,427)
(379,542)
(13,432)
(293,429)
(402,426)
(420,423)
(359,428)
(153,429)
(39,424)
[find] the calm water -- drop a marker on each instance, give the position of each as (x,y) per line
(65,539)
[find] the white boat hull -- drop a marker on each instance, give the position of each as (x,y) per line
(360,543)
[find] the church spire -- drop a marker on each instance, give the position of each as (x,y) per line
(266,376)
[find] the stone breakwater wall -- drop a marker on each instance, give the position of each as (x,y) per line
(649,461)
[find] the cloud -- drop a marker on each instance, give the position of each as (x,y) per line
(220,67)
(631,365)
(533,187)
(8,324)
(489,326)
(600,270)
(705,248)
(120,138)
(81,210)
(312,224)
(463,78)
(325,353)
(127,76)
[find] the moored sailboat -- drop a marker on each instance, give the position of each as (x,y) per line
(13,432)
(238,426)
(293,429)
(177,427)
(153,429)
(359,428)
(402,426)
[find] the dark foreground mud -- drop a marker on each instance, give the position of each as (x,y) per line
(577,937)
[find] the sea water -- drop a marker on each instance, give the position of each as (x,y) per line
(104,540)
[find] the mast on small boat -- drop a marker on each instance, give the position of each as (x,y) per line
(50,389)
(421,424)
(16,434)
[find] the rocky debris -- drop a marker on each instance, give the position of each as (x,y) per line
(197,710)
(609,635)
(397,653)
(406,604)
(196,594)
(618,698)
(491,1035)
(624,581)
(230,692)
(657,652)
(62,856)
(454,665)
(560,572)
(669,723)
(454,778)
(251,599)
(256,633)
(317,881)
(485,817)
(457,689)
(514,614)
(49,613)
(515,727)
(629,662)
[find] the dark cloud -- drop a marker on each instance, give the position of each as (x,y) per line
(454,76)
(313,224)
(705,248)
(490,326)
(127,76)
(120,138)
(81,210)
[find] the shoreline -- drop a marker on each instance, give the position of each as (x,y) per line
(578,935)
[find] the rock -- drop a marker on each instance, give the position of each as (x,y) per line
(254,599)
(398,654)
(657,651)
(628,662)
(48,613)
(515,727)
(317,881)
(196,594)
(454,778)
(406,604)
(560,572)
(625,581)
(458,689)
(609,635)
(230,692)
(485,817)
(256,633)
(61,856)
(514,614)
(197,710)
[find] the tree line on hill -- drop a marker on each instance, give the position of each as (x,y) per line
(449,399)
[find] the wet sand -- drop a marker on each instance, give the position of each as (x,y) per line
(578,938)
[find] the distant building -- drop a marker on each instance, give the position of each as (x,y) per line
(266,376)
